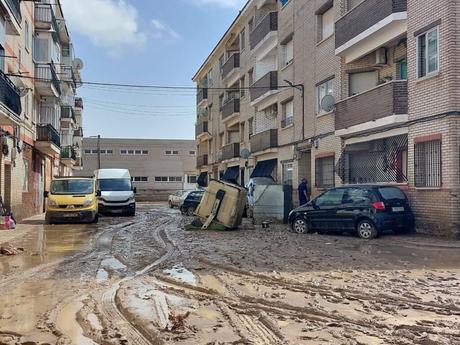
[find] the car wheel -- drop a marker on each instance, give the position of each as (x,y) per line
(190,212)
(95,219)
(366,230)
(170,204)
(300,226)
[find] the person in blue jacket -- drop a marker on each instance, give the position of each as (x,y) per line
(303,192)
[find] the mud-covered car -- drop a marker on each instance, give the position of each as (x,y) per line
(191,202)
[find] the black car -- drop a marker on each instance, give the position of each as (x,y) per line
(365,210)
(191,202)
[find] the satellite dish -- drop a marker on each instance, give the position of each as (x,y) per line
(245,153)
(328,103)
(78,64)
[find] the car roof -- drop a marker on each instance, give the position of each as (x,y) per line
(61,178)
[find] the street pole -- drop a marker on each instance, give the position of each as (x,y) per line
(301,88)
(98,152)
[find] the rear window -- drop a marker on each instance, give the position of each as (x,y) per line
(392,193)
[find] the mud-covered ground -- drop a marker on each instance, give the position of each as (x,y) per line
(145,280)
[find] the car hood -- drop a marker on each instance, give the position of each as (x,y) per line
(117,196)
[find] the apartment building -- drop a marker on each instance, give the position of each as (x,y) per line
(339,92)
(39,77)
(158,167)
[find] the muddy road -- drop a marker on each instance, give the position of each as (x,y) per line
(144,280)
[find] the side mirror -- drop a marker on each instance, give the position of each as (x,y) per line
(98,193)
(135,190)
(46,194)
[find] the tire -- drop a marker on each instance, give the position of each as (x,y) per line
(190,211)
(182,211)
(96,219)
(300,226)
(170,204)
(366,229)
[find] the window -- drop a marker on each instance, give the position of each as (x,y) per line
(323,90)
(243,39)
(110,152)
(209,79)
(41,53)
(175,152)
(161,178)
(123,152)
(288,169)
(363,81)
(103,152)
(428,52)
(327,24)
(288,50)
(26,35)
(251,77)
(250,127)
(168,152)
(401,67)
(138,152)
(222,60)
(251,24)
(358,196)
(191,179)
(221,101)
(175,178)
(88,152)
(130,152)
(333,197)
(324,172)
(242,86)
(140,179)
(288,114)
(241,131)
(94,152)
(427,162)
(25,181)
(145,152)
(193,153)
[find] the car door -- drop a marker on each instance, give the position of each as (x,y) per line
(356,203)
(324,215)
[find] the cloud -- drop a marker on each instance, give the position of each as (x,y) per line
(161,30)
(222,3)
(109,24)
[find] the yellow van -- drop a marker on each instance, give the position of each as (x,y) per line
(72,199)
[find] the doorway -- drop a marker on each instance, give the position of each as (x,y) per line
(7,198)
(304,170)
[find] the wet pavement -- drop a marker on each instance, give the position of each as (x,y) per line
(144,280)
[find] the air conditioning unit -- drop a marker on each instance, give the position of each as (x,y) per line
(381,56)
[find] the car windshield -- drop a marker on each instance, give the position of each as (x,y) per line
(392,193)
(115,185)
(64,187)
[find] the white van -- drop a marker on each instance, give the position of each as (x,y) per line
(117,192)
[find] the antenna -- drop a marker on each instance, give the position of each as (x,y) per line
(328,103)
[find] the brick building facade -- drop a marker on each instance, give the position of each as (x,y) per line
(381,101)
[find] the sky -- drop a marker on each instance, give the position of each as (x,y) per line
(146,42)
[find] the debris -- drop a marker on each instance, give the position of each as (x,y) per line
(9,250)
(177,321)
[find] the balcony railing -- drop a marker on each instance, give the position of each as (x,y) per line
(68,152)
(264,140)
(78,132)
(202,161)
(265,84)
(44,14)
(231,151)
(364,16)
(385,100)
(67,113)
(9,95)
(232,63)
(268,24)
(201,128)
(232,106)
(68,75)
(79,103)
(287,121)
(201,94)
(15,8)
(47,133)
(46,73)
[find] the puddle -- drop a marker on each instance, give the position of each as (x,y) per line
(182,274)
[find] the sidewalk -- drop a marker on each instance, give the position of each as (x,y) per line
(23,228)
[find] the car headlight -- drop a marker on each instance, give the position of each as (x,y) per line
(52,202)
(132,198)
(88,203)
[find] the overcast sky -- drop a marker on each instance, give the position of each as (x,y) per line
(144,42)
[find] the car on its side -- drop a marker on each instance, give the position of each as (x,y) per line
(174,200)
(72,199)
(367,210)
(191,202)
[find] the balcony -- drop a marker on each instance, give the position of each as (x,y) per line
(10,99)
(47,82)
(231,65)
(79,103)
(382,106)
(78,132)
(45,18)
(201,95)
(68,76)
(264,86)
(264,29)
(202,161)
(202,129)
(48,140)
(67,114)
(370,25)
(68,155)
(230,108)
(13,17)
(231,151)
(264,140)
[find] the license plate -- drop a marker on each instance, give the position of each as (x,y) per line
(117,211)
(70,215)
(398,209)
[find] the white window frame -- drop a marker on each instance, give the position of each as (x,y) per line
(427,73)
(288,59)
(323,36)
(319,98)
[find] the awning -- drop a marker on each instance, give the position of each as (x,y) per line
(265,168)
(231,174)
(202,180)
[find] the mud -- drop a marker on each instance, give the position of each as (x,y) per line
(136,280)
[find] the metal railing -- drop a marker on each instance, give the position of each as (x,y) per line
(230,107)
(201,128)
(67,113)
(232,62)
(265,84)
(264,140)
(47,133)
(9,95)
(202,161)
(68,152)
(47,73)
(201,94)
(44,14)
(268,24)
(15,8)
(231,151)
(78,132)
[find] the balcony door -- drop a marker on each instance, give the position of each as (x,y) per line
(362,81)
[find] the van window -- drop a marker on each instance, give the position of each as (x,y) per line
(69,187)
(114,185)
(392,193)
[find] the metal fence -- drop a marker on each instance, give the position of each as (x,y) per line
(428,164)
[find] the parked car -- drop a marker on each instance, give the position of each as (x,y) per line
(72,199)
(174,200)
(117,191)
(191,202)
(365,210)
